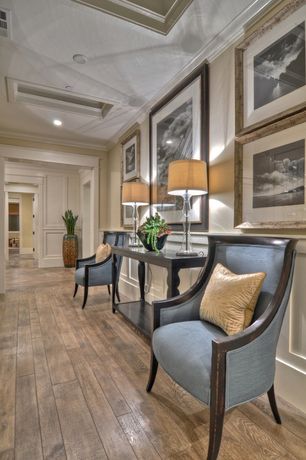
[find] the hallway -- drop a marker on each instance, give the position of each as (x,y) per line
(73,386)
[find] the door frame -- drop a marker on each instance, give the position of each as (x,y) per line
(12,152)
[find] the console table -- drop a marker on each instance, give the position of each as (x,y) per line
(140,312)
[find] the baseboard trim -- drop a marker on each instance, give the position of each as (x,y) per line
(50,262)
(26,251)
(290,384)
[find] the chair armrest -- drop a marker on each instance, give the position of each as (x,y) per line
(177,309)
(87,260)
(246,361)
(97,264)
(184,307)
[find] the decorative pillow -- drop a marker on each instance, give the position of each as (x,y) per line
(229,299)
(103,251)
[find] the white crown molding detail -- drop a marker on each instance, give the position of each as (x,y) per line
(222,41)
(24,92)
(54,141)
(157,21)
(50,156)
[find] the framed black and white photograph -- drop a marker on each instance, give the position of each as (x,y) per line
(131,157)
(179,130)
(272,176)
(271,71)
(126,216)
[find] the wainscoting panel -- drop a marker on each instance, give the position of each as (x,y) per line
(56,198)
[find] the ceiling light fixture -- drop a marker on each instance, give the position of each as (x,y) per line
(57,122)
(169,141)
(80,58)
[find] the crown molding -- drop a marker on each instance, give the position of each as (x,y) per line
(221,42)
(14,135)
(150,18)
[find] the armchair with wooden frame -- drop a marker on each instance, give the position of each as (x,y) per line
(91,273)
(225,371)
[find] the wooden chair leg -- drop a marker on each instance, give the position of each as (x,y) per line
(108,288)
(85,296)
(272,401)
(117,294)
(215,431)
(153,372)
(76,286)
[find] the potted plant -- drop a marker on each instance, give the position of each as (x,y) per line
(153,233)
(70,240)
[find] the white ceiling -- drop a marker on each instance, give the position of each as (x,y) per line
(127,65)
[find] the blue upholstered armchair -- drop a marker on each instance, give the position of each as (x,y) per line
(89,273)
(225,371)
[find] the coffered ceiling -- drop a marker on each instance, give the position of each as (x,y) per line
(126,66)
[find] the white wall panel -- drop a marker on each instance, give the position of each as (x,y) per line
(56,198)
(53,243)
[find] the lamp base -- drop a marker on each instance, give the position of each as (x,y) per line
(187,254)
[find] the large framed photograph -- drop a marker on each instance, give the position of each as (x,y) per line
(131,156)
(271,173)
(179,130)
(271,74)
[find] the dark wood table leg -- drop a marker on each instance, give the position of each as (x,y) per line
(173,281)
(114,281)
(141,278)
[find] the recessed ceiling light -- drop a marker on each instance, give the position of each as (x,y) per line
(57,122)
(80,58)
(169,141)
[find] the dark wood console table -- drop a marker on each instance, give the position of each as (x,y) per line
(140,312)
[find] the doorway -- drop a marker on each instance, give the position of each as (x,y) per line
(20,226)
(86,220)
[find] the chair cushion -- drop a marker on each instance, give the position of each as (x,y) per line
(229,300)
(103,251)
(191,366)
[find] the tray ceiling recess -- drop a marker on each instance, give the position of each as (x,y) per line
(44,96)
(157,15)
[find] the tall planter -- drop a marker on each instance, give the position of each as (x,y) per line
(70,250)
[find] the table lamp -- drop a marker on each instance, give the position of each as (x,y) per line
(187,178)
(135,194)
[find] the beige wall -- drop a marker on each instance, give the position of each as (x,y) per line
(26,220)
(291,356)
(221,155)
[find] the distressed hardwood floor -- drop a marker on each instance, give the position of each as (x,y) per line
(72,385)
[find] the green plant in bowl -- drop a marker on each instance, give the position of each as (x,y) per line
(153,232)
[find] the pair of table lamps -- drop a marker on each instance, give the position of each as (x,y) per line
(186,178)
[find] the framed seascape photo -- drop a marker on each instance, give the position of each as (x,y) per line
(271,71)
(272,176)
(179,130)
(131,157)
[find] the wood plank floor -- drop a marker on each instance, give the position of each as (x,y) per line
(72,386)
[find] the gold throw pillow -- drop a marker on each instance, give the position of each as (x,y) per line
(229,300)
(103,251)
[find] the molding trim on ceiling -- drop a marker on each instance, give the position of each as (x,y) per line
(98,148)
(157,18)
(23,92)
(222,41)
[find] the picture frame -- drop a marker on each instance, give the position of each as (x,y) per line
(270,73)
(126,216)
(179,130)
(270,181)
(131,156)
